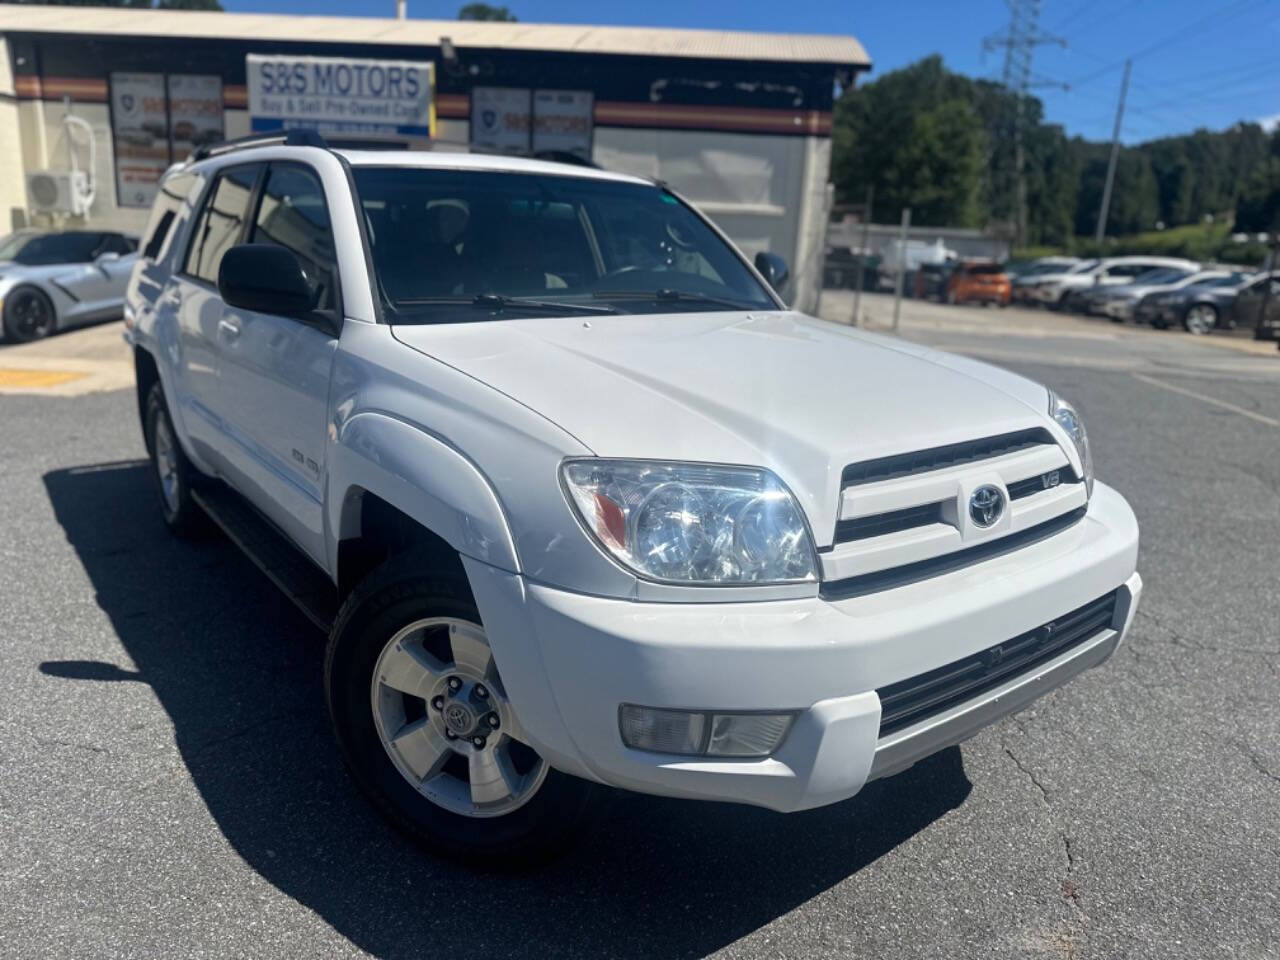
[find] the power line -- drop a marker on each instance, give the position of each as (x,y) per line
(1019,46)
(1236,8)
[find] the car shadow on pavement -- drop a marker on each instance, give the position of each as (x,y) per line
(239,672)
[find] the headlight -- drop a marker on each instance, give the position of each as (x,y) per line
(1070,421)
(692,523)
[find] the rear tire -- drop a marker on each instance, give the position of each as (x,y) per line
(172,472)
(407,627)
(28,315)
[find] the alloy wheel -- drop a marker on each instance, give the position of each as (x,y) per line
(446,723)
(1201,318)
(167,464)
(30,317)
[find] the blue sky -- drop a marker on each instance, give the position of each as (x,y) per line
(1197,62)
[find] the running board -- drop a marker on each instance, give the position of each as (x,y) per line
(297,577)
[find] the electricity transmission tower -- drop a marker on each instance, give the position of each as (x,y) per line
(1019,44)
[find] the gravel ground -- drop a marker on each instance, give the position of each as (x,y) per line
(168,785)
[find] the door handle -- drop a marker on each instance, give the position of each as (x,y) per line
(229,329)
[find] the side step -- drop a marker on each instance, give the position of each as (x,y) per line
(300,580)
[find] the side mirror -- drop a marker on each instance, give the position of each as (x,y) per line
(266,279)
(773,268)
(108,256)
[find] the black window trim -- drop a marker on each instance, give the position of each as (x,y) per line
(215,177)
(333,317)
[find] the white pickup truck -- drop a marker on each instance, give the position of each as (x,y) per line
(579,501)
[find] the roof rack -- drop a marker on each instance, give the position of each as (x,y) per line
(302,137)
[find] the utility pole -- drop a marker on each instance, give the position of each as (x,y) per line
(1019,44)
(902,265)
(402,9)
(866,245)
(1270,273)
(1115,156)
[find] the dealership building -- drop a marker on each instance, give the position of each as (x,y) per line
(95,103)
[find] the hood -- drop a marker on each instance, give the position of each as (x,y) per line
(780,390)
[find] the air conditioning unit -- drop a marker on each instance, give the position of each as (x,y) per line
(58,191)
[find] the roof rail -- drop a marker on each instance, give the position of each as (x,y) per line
(303,137)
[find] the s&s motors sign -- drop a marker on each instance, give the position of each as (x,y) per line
(341,95)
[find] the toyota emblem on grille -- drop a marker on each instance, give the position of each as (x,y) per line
(986,504)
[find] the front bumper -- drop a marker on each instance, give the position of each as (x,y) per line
(1116,309)
(568,661)
(1158,314)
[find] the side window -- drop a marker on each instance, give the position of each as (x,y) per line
(293,214)
(173,191)
(218,227)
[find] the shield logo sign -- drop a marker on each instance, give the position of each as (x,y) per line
(127,102)
(490,118)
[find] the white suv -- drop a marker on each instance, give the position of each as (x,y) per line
(579,501)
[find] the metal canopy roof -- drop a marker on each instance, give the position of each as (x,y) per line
(634,41)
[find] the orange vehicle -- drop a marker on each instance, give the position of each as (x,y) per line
(980,280)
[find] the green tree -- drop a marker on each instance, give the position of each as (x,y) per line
(485,11)
(915,134)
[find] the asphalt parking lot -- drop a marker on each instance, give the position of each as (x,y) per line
(168,784)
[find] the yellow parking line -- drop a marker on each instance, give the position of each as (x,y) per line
(36,379)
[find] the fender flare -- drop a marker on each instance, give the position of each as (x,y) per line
(423,477)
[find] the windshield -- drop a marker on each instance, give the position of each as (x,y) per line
(58,248)
(984,268)
(1082,266)
(452,246)
(13,242)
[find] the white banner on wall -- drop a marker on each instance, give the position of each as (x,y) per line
(500,118)
(341,95)
(562,120)
(195,111)
(140,132)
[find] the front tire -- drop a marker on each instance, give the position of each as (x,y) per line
(426,728)
(1200,318)
(172,472)
(28,315)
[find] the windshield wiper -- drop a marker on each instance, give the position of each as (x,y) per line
(676,296)
(501,301)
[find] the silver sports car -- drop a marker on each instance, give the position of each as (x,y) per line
(51,281)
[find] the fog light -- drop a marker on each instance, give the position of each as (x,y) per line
(747,734)
(694,733)
(663,731)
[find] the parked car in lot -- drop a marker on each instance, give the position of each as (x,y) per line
(1117,303)
(1254,299)
(1066,291)
(52,281)
(1025,279)
(980,281)
(930,280)
(580,501)
(1199,307)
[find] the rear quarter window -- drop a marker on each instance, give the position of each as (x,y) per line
(164,213)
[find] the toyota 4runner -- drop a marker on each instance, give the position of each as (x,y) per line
(579,501)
